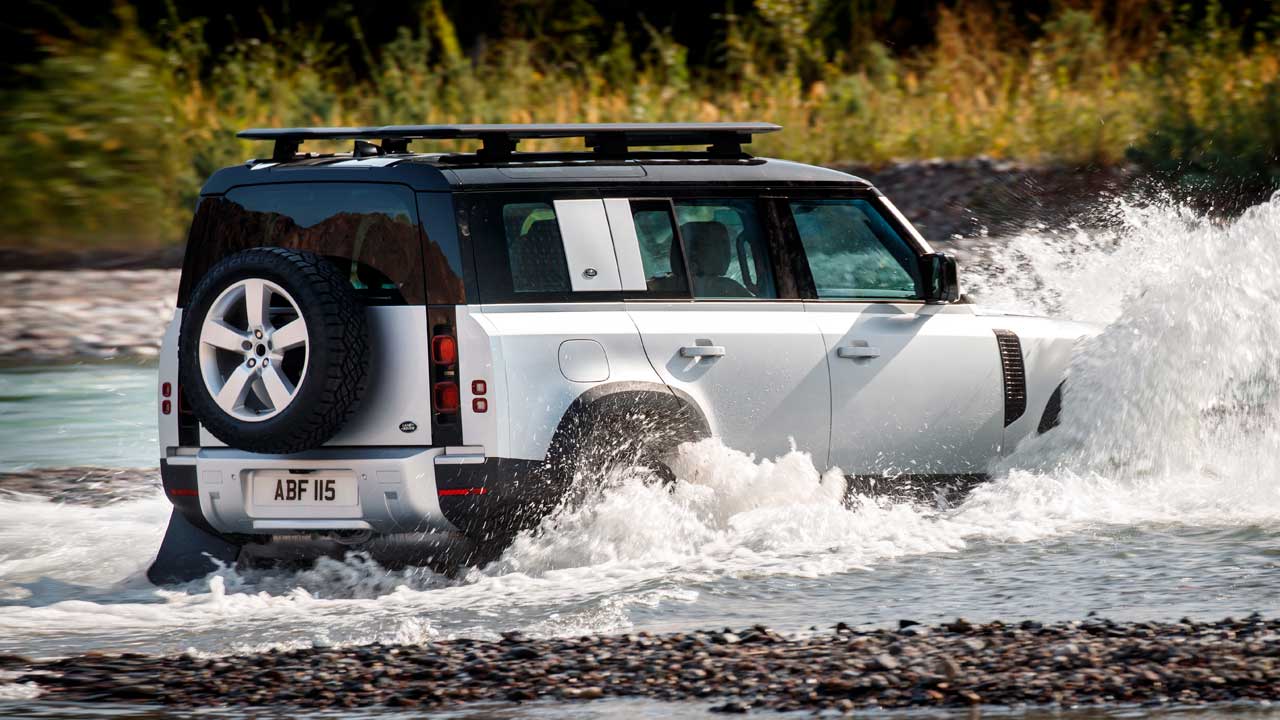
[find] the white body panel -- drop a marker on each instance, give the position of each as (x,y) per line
(536,392)
(482,362)
(626,244)
(168,373)
(915,389)
(768,389)
(588,249)
(1047,345)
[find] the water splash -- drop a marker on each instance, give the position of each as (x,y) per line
(1169,420)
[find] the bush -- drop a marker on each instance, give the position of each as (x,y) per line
(110,138)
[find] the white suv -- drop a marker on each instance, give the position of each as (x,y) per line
(423,354)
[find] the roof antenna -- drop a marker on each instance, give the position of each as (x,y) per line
(364,148)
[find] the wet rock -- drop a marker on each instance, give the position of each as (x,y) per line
(884,662)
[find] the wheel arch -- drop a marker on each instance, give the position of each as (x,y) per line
(623,401)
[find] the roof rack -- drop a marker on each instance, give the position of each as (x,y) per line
(723,139)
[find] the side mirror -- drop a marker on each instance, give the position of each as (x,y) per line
(940,278)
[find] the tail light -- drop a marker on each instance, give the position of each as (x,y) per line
(447,398)
(166,392)
(444,350)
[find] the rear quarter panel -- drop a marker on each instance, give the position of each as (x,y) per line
(534,393)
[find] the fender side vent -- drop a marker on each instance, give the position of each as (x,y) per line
(1015,375)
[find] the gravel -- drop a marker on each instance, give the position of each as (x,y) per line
(1091,662)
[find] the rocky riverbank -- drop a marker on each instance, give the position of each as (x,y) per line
(81,485)
(1093,662)
(56,315)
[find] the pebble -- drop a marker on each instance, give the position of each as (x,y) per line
(846,670)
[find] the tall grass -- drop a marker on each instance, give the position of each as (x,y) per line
(109,142)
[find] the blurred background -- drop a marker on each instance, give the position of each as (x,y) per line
(113,113)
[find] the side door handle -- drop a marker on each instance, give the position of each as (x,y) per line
(701,351)
(858,352)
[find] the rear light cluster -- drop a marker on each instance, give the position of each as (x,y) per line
(166,404)
(445,395)
(479,404)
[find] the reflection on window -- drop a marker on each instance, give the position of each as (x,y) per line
(535,249)
(659,252)
(853,252)
(369,231)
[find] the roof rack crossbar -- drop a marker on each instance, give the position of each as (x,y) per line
(722,139)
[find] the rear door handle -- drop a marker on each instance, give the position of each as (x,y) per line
(701,351)
(858,352)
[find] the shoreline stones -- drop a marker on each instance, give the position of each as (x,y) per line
(88,314)
(94,486)
(1094,662)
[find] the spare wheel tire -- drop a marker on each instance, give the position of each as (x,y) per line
(274,351)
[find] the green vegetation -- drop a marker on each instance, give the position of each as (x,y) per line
(109,135)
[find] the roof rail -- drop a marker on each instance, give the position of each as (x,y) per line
(723,139)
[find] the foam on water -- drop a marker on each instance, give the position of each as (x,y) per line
(1169,418)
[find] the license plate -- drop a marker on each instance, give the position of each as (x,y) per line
(277,489)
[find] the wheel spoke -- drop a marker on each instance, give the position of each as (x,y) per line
(256,299)
(278,386)
(220,336)
(231,396)
(290,336)
(260,391)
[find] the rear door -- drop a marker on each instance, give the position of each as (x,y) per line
(916,388)
(717,325)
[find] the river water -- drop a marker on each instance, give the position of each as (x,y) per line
(1158,497)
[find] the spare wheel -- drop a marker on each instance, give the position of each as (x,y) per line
(274,351)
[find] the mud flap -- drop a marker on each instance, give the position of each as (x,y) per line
(189,553)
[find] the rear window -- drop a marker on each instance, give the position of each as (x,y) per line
(370,230)
(853,252)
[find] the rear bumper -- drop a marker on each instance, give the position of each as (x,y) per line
(400,490)
(396,491)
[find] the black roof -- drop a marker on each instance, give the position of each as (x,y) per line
(612,160)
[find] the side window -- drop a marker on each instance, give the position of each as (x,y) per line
(535,250)
(853,252)
(725,249)
(659,248)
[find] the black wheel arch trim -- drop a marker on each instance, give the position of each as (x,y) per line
(495,499)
